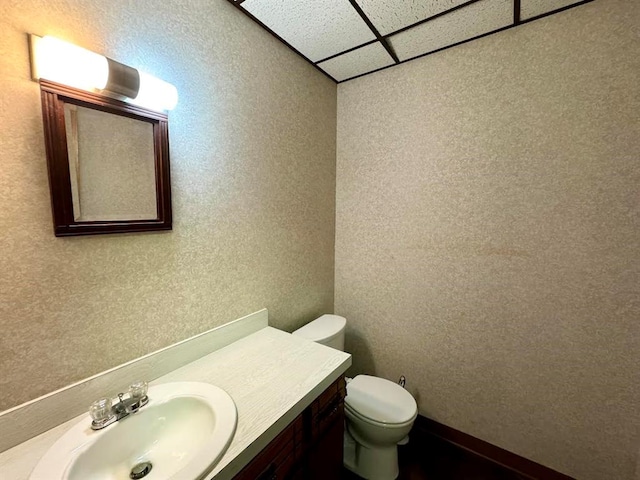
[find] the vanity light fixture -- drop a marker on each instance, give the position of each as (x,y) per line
(63,62)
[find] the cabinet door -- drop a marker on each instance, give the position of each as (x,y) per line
(325,458)
(310,448)
(276,461)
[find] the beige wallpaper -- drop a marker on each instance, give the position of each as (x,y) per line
(488,234)
(252,144)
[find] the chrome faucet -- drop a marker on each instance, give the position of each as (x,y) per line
(104,413)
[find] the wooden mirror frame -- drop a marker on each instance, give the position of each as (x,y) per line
(54,97)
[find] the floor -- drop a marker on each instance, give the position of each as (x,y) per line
(438,460)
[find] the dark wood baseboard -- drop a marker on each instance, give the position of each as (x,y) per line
(424,427)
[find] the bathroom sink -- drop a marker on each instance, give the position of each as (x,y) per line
(182,433)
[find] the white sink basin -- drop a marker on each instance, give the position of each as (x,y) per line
(183,431)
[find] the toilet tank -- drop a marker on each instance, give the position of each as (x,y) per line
(327,330)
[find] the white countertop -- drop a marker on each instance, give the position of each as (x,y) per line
(271,375)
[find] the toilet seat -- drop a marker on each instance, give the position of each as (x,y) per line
(380,401)
(357,416)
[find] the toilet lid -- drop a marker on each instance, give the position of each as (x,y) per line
(322,328)
(380,400)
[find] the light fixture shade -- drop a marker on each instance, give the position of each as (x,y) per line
(65,63)
(155,94)
(62,62)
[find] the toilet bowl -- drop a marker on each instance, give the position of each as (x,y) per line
(379,413)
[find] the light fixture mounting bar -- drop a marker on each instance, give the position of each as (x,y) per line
(123,79)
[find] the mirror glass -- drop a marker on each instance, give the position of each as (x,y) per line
(108,163)
(111,165)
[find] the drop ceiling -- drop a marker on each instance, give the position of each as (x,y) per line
(346,39)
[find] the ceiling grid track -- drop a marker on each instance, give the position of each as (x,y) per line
(236,3)
(432,17)
(433,51)
(400,30)
(380,38)
(346,51)
(370,58)
(553,12)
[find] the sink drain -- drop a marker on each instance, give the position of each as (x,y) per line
(141,470)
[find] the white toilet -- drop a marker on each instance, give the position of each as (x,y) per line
(379,412)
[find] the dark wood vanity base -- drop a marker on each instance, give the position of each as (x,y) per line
(310,447)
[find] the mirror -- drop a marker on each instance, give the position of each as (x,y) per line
(112,175)
(108,163)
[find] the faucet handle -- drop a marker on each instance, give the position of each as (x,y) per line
(138,390)
(100,411)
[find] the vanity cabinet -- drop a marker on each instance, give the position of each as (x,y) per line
(310,447)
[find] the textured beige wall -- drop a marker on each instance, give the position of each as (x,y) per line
(252,144)
(488,234)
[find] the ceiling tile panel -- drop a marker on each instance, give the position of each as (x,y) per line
(316,28)
(533,8)
(465,23)
(391,15)
(357,62)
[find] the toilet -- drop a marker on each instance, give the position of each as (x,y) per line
(379,413)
